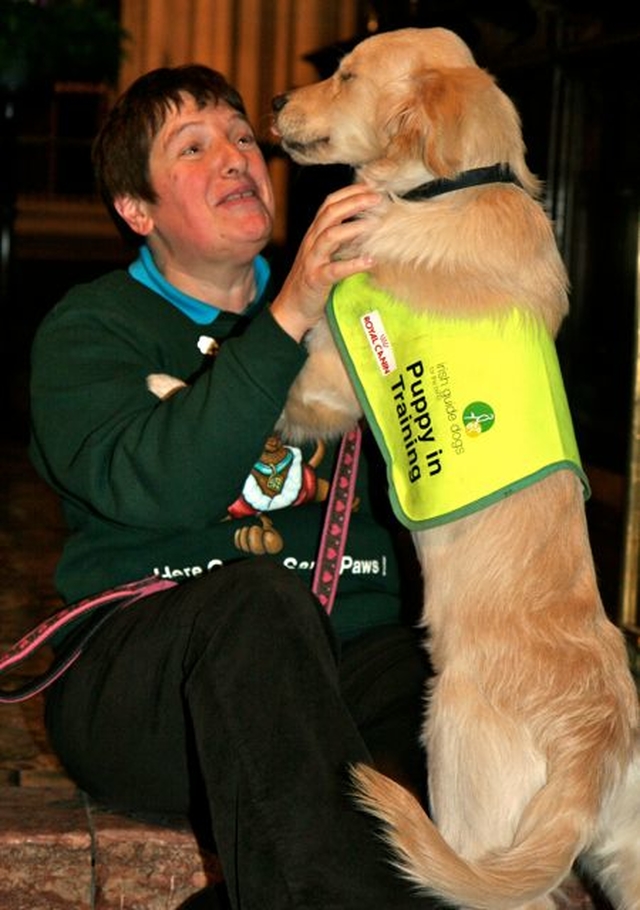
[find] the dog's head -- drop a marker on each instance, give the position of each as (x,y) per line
(404,107)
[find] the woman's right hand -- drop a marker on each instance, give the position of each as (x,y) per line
(330,251)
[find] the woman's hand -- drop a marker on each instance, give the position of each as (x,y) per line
(329,252)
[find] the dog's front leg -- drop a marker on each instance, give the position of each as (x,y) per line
(321,403)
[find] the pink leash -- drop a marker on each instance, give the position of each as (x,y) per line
(108,603)
(336,523)
(324,585)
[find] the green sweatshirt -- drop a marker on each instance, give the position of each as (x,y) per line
(177,487)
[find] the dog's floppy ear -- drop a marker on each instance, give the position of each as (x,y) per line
(452,120)
(423,123)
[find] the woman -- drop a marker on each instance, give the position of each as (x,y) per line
(229,697)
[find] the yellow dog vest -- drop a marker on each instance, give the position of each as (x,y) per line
(465,411)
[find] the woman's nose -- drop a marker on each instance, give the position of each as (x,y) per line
(233,160)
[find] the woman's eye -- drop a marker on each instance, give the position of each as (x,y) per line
(190,150)
(246,141)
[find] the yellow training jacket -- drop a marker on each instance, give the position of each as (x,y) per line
(466,411)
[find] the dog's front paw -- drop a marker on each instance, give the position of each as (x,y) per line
(306,420)
(163,385)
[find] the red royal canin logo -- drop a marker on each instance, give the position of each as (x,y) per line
(379,342)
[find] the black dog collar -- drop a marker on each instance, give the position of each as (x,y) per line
(495,173)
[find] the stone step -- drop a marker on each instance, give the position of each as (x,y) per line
(59,851)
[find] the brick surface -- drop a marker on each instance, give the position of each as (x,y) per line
(12,898)
(45,850)
(59,850)
(143,866)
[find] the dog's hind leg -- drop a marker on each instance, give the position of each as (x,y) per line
(484,768)
(614,858)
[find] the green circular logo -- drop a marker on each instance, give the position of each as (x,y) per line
(478,417)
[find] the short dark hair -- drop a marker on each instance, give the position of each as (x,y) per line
(122,147)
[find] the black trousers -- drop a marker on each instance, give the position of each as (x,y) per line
(226,699)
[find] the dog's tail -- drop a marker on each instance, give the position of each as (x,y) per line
(503,879)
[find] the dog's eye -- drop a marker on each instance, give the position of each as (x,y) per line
(346,76)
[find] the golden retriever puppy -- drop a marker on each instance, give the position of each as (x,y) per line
(531,720)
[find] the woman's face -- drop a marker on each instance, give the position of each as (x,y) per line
(214,195)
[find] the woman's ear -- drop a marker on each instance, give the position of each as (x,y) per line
(134,212)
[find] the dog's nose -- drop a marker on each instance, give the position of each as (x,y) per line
(279,102)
